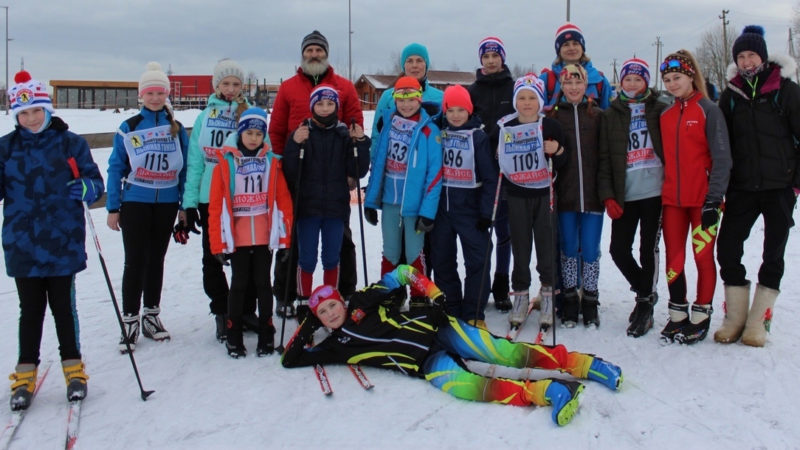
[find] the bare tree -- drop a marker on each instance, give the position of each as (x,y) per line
(395,67)
(796,31)
(713,53)
(518,71)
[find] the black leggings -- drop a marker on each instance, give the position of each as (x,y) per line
(146,230)
(646,215)
(250,265)
(34,296)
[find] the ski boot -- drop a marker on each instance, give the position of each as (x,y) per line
(519,312)
(234,344)
(678,318)
(266,340)
(602,371)
(127,343)
(563,396)
(221,331)
(76,379)
(546,307)
(152,327)
(697,328)
(24,383)
(285,310)
(641,319)
(570,308)
(500,292)
(589,304)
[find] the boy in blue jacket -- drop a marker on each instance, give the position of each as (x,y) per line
(44,230)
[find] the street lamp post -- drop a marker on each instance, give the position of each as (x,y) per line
(7,99)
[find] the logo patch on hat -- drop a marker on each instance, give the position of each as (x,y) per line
(25,96)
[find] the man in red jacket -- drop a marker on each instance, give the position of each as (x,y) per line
(290,109)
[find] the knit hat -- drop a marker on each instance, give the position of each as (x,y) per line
(28,93)
(321,294)
(314,38)
(456,95)
(323,92)
(418,50)
(253,118)
(635,66)
(491,44)
(532,83)
(407,87)
(153,79)
(569,32)
(677,63)
(227,68)
(570,71)
(752,38)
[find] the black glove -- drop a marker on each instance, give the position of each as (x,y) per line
(180,233)
(710,215)
(483,224)
(192,220)
(371,216)
(221,258)
(424,225)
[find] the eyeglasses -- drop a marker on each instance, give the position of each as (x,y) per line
(319,295)
(676,64)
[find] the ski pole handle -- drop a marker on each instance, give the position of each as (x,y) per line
(73,165)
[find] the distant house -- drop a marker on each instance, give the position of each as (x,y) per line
(370,87)
(82,94)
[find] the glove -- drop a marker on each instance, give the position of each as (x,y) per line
(371,216)
(710,215)
(180,233)
(612,208)
(84,190)
(423,225)
(483,224)
(192,220)
(221,258)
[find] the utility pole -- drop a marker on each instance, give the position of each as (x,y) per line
(793,55)
(725,23)
(567,10)
(658,43)
(349,43)
(616,81)
(8,100)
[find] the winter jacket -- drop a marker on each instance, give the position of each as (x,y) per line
(423,181)
(491,97)
(119,166)
(43,229)
(212,126)
(551,130)
(576,184)
(614,140)
(327,162)
(227,232)
(697,156)
(478,201)
(430,95)
(764,126)
(291,105)
(596,81)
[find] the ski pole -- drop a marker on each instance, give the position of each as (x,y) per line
(553,246)
(488,253)
(143,393)
(295,201)
(360,211)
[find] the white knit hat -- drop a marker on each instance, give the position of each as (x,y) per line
(153,78)
(227,68)
(28,93)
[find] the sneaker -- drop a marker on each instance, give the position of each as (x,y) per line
(570,308)
(127,343)
(266,340)
(641,319)
(563,396)
(500,292)
(606,373)
(24,383)
(678,318)
(692,332)
(222,330)
(76,378)
(546,307)
(589,304)
(235,351)
(519,312)
(152,327)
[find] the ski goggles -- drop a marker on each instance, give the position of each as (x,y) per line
(407,93)
(322,293)
(676,65)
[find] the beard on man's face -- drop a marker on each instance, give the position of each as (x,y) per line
(315,66)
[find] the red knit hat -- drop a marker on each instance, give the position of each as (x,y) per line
(456,95)
(321,294)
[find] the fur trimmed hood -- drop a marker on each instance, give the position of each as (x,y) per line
(786,63)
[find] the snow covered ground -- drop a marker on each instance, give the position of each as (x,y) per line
(703,396)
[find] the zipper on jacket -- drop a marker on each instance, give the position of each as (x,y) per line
(677,152)
(580,159)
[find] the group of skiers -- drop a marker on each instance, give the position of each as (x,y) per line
(537,159)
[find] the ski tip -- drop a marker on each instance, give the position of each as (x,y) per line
(146,394)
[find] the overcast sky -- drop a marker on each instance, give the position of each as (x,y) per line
(113,39)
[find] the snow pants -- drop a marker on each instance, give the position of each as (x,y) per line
(644,214)
(531,223)
(677,223)
(34,296)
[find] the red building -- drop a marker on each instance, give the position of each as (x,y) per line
(190,91)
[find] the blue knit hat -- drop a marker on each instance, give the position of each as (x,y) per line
(323,92)
(418,50)
(253,118)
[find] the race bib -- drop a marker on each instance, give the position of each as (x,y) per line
(155,157)
(641,154)
(399,143)
(521,155)
(458,159)
(218,124)
(250,194)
